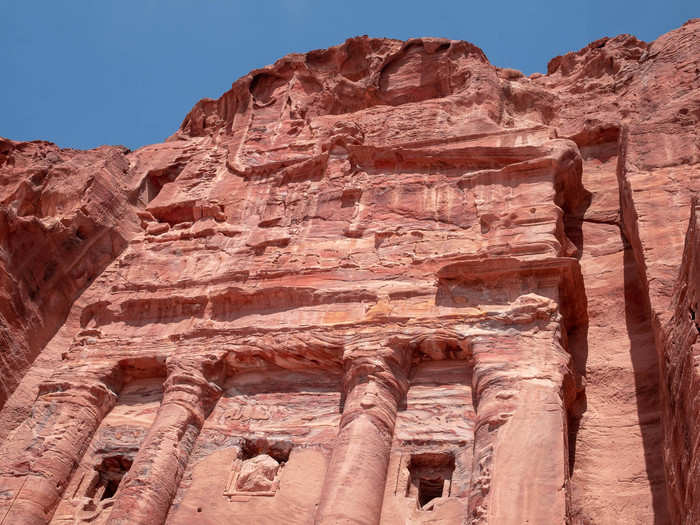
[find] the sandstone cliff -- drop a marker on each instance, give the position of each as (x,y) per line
(385,282)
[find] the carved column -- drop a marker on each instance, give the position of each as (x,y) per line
(145,494)
(520,469)
(375,384)
(39,458)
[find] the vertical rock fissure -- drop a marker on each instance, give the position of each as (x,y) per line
(615,355)
(643,345)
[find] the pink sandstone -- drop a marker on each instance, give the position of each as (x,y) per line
(381,283)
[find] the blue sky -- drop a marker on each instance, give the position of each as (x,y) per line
(83,73)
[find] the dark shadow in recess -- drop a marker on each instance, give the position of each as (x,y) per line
(646,378)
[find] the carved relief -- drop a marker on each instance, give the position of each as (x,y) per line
(257,470)
(375,255)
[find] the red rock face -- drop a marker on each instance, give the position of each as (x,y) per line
(64,216)
(382,283)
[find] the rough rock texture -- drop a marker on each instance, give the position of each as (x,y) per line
(385,282)
(64,216)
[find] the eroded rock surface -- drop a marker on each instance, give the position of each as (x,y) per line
(384,282)
(64,216)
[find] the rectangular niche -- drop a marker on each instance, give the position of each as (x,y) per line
(429,478)
(110,473)
(101,482)
(257,469)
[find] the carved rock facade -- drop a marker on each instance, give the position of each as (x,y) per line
(385,282)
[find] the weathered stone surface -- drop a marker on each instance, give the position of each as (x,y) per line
(64,216)
(384,282)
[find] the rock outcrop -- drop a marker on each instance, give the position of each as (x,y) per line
(64,216)
(385,282)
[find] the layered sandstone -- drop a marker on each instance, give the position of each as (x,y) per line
(384,282)
(64,216)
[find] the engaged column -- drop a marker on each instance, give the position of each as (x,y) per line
(375,384)
(41,455)
(147,490)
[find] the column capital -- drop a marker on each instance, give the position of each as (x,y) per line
(377,362)
(192,383)
(94,385)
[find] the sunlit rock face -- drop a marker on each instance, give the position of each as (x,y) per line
(382,283)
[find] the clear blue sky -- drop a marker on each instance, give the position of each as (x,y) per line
(83,73)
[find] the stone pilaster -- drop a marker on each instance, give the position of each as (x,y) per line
(520,469)
(41,455)
(147,490)
(375,385)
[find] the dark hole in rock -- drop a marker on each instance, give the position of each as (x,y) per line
(156,179)
(692,318)
(431,477)
(442,47)
(350,197)
(111,471)
(429,489)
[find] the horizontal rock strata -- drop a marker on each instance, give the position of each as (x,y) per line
(381,283)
